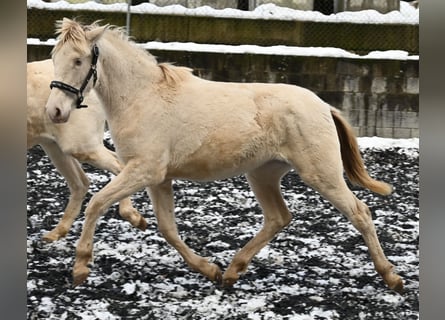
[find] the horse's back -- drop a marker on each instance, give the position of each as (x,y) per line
(274,97)
(246,106)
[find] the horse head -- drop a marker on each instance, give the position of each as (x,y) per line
(75,58)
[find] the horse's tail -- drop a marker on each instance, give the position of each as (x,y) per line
(352,160)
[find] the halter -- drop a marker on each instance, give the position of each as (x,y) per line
(79,92)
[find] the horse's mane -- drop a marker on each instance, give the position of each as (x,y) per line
(173,74)
(70,31)
(74,32)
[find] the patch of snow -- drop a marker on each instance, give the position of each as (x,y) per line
(47,305)
(255,304)
(129,288)
(256,49)
(386,143)
(277,50)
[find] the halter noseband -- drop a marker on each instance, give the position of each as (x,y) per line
(79,92)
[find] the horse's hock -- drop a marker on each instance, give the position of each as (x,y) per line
(378,96)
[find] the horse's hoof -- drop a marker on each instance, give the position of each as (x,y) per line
(80,275)
(51,237)
(394,281)
(142,224)
(211,271)
(229,280)
(398,287)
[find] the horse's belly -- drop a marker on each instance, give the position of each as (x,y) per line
(214,168)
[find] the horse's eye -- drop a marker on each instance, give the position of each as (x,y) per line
(78,62)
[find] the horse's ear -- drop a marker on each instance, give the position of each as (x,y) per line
(94,35)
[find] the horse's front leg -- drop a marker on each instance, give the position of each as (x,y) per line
(78,184)
(163,205)
(131,179)
(105,159)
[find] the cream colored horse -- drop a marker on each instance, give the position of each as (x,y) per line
(168,124)
(81,139)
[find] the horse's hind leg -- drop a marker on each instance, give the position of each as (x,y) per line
(163,206)
(105,159)
(78,184)
(265,183)
(327,178)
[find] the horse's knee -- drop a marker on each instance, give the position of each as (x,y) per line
(78,184)
(277,221)
(80,189)
(95,207)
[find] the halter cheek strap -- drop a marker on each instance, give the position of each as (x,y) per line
(79,92)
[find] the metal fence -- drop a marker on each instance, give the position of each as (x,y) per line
(271,22)
(323,6)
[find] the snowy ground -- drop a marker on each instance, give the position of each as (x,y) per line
(317,268)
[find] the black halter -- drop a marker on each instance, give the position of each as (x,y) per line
(79,92)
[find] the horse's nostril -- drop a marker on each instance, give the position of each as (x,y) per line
(58,113)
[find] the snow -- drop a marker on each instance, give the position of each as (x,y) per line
(385,143)
(278,50)
(255,49)
(406,15)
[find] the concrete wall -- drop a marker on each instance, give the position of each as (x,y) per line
(378,97)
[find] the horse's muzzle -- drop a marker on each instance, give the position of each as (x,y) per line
(57,116)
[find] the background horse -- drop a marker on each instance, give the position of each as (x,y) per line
(80,140)
(169,124)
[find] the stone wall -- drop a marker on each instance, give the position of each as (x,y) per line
(378,97)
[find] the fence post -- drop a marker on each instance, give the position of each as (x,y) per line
(128,17)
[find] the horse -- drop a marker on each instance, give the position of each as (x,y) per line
(67,145)
(169,124)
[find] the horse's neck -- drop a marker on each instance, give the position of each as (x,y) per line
(124,70)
